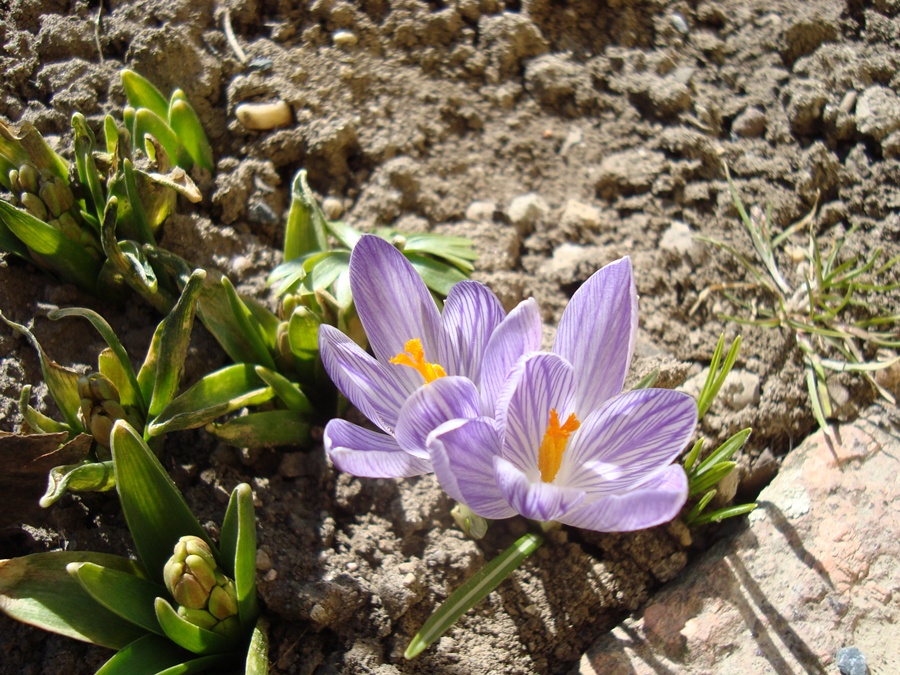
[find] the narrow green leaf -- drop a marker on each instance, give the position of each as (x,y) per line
(127,595)
(817,407)
(248,327)
(698,484)
(131,393)
(270,428)
(348,236)
(258,653)
(83,477)
(50,249)
(648,380)
(154,509)
(474,590)
(717,374)
(38,421)
(458,251)
(721,514)
(61,382)
(214,395)
(174,337)
(216,663)
(148,123)
(303,333)
(85,164)
(289,393)
(37,590)
(186,125)
(148,655)
(305,230)
(724,452)
(188,636)
(111,135)
(438,276)
(10,242)
(237,542)
(692,515)
(141,93)
(142,225)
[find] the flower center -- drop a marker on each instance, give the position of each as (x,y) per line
(554,444)
(414,357)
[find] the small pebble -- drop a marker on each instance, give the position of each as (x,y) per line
(332,208)
(678,23)
(749,124)
(344,38)
(261,64)
(263,116)
(851,661)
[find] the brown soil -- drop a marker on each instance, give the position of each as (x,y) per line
(617,114)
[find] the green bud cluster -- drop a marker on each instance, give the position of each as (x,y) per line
(205,596)
(50,199)
(100,406)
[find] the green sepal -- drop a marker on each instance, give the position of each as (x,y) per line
(36,589)
(148,123)
(129,596)
(129,391)
(289,393)
(214,395)
(188,636)
(305,230)
(258,652)
(186,125)
(270,428)
(84,477)
(141,93)
(50,249)
(237,544)
(62,382)
(154,509)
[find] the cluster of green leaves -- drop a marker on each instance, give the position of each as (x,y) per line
(122,603)
(832,310)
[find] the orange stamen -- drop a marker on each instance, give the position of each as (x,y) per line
(554,444)
(414,357)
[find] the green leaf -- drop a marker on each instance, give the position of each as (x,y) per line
(289,393)
(248,326)
(50,249)
(458,251)
(86,166)
(154,655)
(258,653)
(186,125)
(717,374)
(438,276)
(111,135)
(61,382)
(154,509)
(692,515)
(83,477)
(270,428)
(174,336)
(648,380)
(721,514)
(141,93)
(724,452)
(130,394)
(128,595)
(148,123)
(38,421)
(37,590)
(188,636)
(237,542)
(142,225)
(305,231)
(303,334)
(473,591)
(214,395)
(698,484)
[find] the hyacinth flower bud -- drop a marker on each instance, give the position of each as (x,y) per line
(206,597)
(100,406)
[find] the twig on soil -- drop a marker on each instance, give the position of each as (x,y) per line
(232,39)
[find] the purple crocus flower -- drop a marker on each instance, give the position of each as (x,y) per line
(415,346)
(565,444)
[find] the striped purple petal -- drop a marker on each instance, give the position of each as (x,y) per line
(596,334)
(628,440)
(539,382)
(430,406)
(518,334)
(376,389)
(369,454)
(462,454)
(655,502)
(536,500)
(470,315)
(393,302)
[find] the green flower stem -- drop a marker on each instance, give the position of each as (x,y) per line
(473,591)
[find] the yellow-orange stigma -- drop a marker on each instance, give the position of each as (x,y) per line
(414,357)
(554,444)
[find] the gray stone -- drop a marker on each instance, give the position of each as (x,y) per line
(750,124)
(814,571)
(851,661)
(878,112)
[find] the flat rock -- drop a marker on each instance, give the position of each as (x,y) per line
(814,574)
